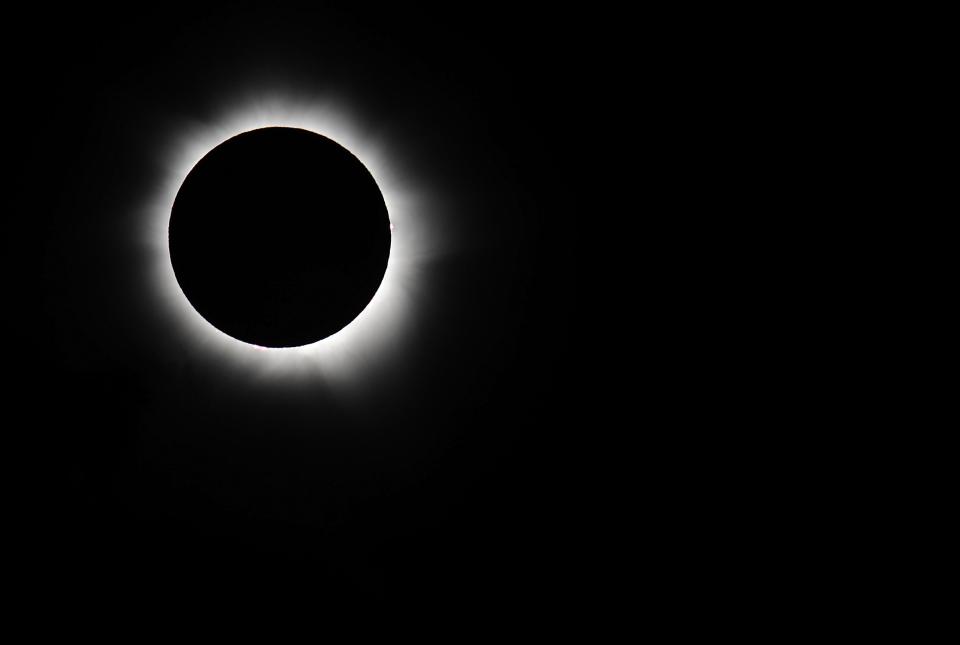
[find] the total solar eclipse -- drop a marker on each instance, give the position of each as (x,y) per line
(279,237)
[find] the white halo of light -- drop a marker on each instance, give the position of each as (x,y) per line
(375,335)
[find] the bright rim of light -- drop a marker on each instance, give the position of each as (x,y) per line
(373,336)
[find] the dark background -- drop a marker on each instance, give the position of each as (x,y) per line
(461,473)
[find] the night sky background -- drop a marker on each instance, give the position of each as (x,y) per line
(459,474)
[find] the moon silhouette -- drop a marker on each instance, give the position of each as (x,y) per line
(279,237)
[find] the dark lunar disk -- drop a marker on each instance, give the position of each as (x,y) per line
(279,237)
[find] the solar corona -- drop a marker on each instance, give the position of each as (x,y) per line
(358,203)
